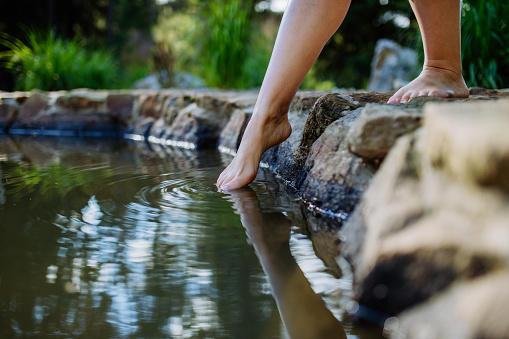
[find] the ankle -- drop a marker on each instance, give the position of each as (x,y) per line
(270,115)
(451,69)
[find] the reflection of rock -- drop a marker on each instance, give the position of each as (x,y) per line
(392,67)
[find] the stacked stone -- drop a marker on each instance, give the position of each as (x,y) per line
(428,240)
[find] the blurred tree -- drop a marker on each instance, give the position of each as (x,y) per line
(103,23)
(346,58)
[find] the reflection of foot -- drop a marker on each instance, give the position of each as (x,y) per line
(266,231)
(303,312)
(261,133)
(432,81)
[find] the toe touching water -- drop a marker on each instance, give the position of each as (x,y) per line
(298,46)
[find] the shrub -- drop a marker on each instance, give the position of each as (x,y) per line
(485,43)
(226,37)
(49,63)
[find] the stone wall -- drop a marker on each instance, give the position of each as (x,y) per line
(419,192)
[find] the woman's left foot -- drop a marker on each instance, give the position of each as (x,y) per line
(435,82)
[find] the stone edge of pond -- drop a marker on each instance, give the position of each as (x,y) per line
(418,191)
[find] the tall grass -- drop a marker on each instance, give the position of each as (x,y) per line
(50,63)
(485,45)
(226,34)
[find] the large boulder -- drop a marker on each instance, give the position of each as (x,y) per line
(423,228)
(470,141)
(469,310)
(392,67)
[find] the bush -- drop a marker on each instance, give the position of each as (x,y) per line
(485,43)
(49,63)
(226,30)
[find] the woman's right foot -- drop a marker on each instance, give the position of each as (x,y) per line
(261,134)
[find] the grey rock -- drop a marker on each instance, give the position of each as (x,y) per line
(470,141)
(195,127)
(335,177)
(231,135)
(121,106)
(9,109)
(469,310)
(378,127)
(392,67)
(181,80)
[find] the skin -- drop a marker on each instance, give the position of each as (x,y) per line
(302,311)
(306,26)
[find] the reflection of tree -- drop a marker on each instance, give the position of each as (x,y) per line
(104,254)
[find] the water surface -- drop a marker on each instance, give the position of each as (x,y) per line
(115,239)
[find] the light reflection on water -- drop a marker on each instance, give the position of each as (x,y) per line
(107,239)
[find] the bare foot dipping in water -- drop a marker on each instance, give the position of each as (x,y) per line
(261,134)
(306,26)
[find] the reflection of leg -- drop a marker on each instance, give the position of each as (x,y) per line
(439,22)
(303,312)
(306,27)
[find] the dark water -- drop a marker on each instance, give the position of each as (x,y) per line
(116,239)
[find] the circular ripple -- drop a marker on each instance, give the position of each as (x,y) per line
(192,193)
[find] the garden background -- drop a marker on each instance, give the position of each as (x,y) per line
(107,44)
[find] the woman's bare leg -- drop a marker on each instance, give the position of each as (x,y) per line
(304,30)
(439,22)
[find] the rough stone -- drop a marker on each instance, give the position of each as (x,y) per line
(343,176)
(9,109)
(231,135)
(378,127)
(287,159)
(121,106)
(73,113)
(419,229)
(84,102)
(470,141)
(470,310)
(196,126)
(309,118)
(32,106)
(169,112)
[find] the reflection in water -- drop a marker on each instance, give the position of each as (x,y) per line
(106,239)
(303,312)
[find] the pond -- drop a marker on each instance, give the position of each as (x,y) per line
(108,238)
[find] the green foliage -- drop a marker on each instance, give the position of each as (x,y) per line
(485,43)
(220,49)
(49,63)
(178,31)
(226,31)
(346,58)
